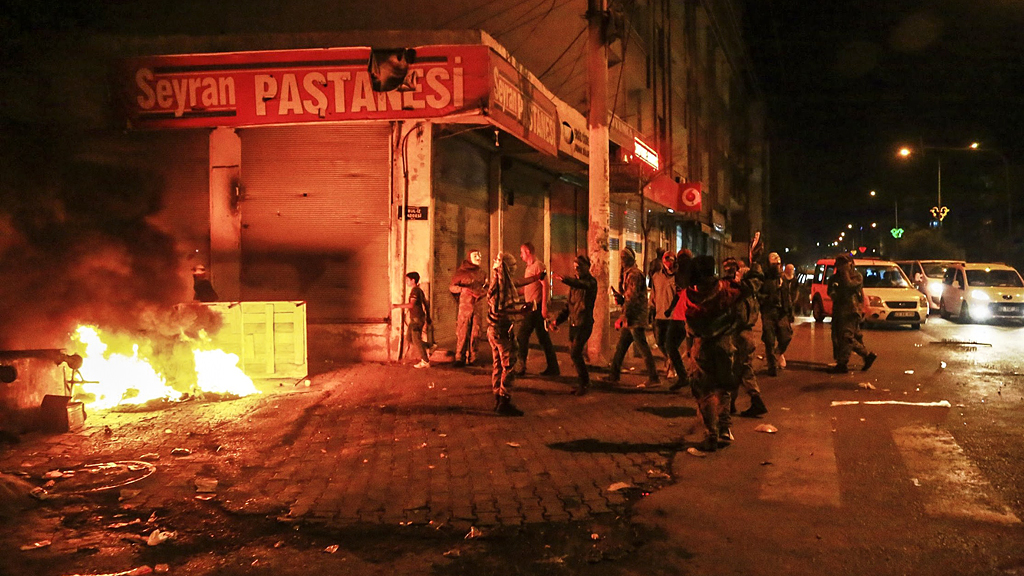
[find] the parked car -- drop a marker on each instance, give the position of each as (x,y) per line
(889,296)
(927,277)
(979,292)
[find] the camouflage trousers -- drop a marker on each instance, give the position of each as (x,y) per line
(711,381)
(743,363)
(503,350)
(776,333)
(467,330)
(847,339)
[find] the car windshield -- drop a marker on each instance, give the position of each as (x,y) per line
(1003,278)
(876,276)
(935,269)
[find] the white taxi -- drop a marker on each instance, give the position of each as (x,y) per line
(979,292)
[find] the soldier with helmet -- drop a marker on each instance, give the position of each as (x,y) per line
(846,289)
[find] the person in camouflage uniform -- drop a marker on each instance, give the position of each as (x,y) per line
(743,341)
(846,289)
(468,283)
(631,324)
(580,314)
(776,314)
(715,312)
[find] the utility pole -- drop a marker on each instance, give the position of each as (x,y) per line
(597,231)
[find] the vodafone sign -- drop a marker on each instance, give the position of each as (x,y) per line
(690,194)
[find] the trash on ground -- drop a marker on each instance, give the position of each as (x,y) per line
(785,408)
(766,428)
(53,474)
(694,452)
(866,385)
(149,457)
(40,494)
(595,536)
(453,553)
(159,536)
(619,486)
(915,481)
(512,444)
(766,463)
(641,385)
(116,525)
(206,485)
(161,568)
(658,474)
(908,371)
(942,364)
(181,452)
(35,545)
(331,549)
(474,532)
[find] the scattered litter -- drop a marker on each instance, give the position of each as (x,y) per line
(453,553)
(512,444)
(658,474)
(915,481)
(123,524)
(423,445)
(40,494)
(149,457)
(866,385)
(766,428)
(168,431)
(206,485)
(333,548)
(431,385)
(940,404)
(36,545)
(694,452)
(785,408)
(151,519)
(279,543)
(908,371)
(161,568)
(595,536)
(766,463)
(442,435)
(159,537)
(53,474)
(641,385)
(474,532)
(942,364)
(205,497)
(619,486)
(181,452)
(305,382)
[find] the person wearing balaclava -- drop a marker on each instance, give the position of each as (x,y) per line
(776,311)
(504,308)
(468,283)
(632,322)
(846,289)
(743,340)
(580,314)
(714,313)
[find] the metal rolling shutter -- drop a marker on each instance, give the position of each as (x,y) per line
(315,214)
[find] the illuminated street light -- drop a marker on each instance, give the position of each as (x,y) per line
(849,226)
(905,152)
(874,224)
(872,193)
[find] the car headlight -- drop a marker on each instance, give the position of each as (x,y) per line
(875,301)
(924,301)
(979,295)
(935,287)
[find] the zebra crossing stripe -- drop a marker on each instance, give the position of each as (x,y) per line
(951,485)
(803,467)
(939,404)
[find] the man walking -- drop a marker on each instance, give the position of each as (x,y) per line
(776,314)
(744,344)
(846,288)
(502,306)
(417,317)
(633,320)
(468,282)
(663,293)
(536,296)
(580,314)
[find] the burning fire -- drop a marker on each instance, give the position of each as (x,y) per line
(112,378)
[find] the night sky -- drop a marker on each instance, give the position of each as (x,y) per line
(848,82)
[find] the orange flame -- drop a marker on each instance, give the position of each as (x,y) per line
(111,379)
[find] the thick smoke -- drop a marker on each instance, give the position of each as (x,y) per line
(76,244)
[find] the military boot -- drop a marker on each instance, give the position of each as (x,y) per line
(757,408)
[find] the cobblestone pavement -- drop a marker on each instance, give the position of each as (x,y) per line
(391,445)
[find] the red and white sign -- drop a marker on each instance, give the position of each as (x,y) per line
(520,108)
(296,86)
(690,197)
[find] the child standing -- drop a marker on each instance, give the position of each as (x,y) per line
(417,316)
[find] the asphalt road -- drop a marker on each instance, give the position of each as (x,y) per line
(902,487)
